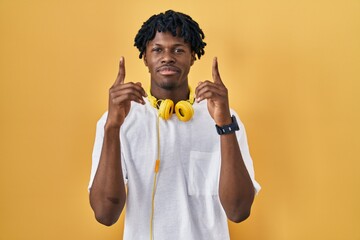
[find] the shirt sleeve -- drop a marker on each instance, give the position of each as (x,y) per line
(99,138)
(244,148)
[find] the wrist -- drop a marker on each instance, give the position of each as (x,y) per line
(112,127)
(114,121)
(224,120)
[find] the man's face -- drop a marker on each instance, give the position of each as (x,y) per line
(169,60)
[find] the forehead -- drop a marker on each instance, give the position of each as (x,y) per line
(166,38)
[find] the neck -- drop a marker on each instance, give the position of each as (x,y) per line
(176,94)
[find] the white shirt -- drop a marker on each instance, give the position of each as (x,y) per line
(187,204)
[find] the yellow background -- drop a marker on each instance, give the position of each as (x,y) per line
(292,70)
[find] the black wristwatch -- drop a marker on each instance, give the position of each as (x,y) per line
(227,129)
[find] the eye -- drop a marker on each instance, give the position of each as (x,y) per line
(179,50)
(156,49)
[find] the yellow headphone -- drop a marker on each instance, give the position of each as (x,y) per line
(183,109)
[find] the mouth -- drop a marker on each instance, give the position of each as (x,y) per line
(168,70)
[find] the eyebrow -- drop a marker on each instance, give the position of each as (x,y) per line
(174,45)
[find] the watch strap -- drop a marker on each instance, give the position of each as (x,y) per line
(227,129)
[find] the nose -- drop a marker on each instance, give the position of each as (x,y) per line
(167,57)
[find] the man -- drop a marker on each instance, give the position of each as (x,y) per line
(179,175)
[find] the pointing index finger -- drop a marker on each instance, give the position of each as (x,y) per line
(215,71)
(121,74)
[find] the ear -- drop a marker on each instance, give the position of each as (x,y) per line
(145,60)
(193,58)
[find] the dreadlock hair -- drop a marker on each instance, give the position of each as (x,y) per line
(179,24)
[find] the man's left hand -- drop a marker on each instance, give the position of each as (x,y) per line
(216,95)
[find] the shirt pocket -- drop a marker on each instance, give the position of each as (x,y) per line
(204,168)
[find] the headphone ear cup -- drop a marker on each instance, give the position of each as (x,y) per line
(184,111)
(166,109)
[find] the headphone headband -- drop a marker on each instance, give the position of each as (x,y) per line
(154,101)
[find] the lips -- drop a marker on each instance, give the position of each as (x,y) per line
(168,70)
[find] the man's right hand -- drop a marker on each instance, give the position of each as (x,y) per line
(120,96)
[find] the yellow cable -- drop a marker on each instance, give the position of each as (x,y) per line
(157,166)
(152,208)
